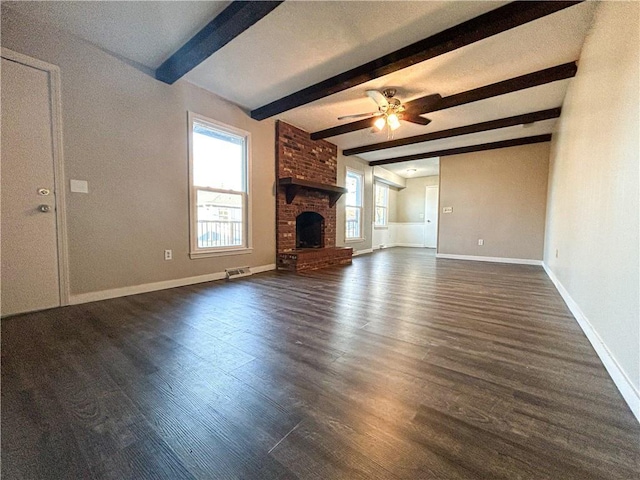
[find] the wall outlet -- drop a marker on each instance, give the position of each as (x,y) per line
(168,254)
(447,209)
(480,242)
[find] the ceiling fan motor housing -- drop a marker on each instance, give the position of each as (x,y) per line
(389,92)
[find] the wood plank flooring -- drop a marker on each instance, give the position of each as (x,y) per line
(401,366)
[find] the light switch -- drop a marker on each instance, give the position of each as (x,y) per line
(79,186)
(447,209)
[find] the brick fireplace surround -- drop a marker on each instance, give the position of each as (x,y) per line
(300,158)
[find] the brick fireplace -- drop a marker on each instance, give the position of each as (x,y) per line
(305,205)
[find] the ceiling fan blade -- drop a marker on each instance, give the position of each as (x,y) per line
(358,115)
(379,98)
(422,104)
(415,119)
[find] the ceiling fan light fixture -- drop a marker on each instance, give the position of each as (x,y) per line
(393,121)
(380,123)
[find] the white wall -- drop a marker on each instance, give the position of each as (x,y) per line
(388,177)
(406,215)
(592,207)
(399,234)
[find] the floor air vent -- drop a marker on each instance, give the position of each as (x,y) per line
(237,272)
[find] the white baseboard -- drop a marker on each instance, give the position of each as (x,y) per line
(617,374)
(362,252)
(407,223)
(392,245)
(478,258)
(152,287)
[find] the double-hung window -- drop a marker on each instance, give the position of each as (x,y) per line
(219,187)
(353,212)
(381,205)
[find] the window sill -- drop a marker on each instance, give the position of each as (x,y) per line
(381,227)
(220,253)
(354,240)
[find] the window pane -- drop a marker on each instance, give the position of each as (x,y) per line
(218,159)
(219,219)
(354,187)
(353,222)
(381,216)
(381,201)
(382,192)
(378,199)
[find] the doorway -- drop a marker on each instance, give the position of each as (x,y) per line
(34,271)
(431,216)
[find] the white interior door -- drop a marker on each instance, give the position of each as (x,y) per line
(431,217)
(30,275)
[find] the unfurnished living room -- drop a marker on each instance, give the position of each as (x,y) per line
(320,240)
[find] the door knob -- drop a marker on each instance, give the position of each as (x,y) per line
(428,221)
(44,208)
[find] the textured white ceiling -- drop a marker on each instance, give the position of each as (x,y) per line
(544,43)
(534,99)
(144,32)
(424,168)
(303,42)
(538,128)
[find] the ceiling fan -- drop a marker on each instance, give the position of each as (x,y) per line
(390,111)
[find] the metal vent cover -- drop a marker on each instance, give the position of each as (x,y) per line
(237,272)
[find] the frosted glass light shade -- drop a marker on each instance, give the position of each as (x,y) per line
(393,121)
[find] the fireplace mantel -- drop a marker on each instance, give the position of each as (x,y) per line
(294,185)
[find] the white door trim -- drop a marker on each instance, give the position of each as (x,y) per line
(58,162)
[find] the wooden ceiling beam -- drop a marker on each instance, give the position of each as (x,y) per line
(472,148)
(486,25)
(529,80)
(535,79)
(454,132)
(231,22)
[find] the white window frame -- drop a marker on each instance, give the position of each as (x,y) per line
(247,246)
(359,207)
(377,185)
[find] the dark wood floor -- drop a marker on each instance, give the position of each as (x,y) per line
(399,366)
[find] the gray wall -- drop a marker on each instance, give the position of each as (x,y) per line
(393,204)
(498,196)
(126,134)
(592,217)
(411,199)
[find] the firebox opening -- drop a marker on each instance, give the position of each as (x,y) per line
(309,230)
